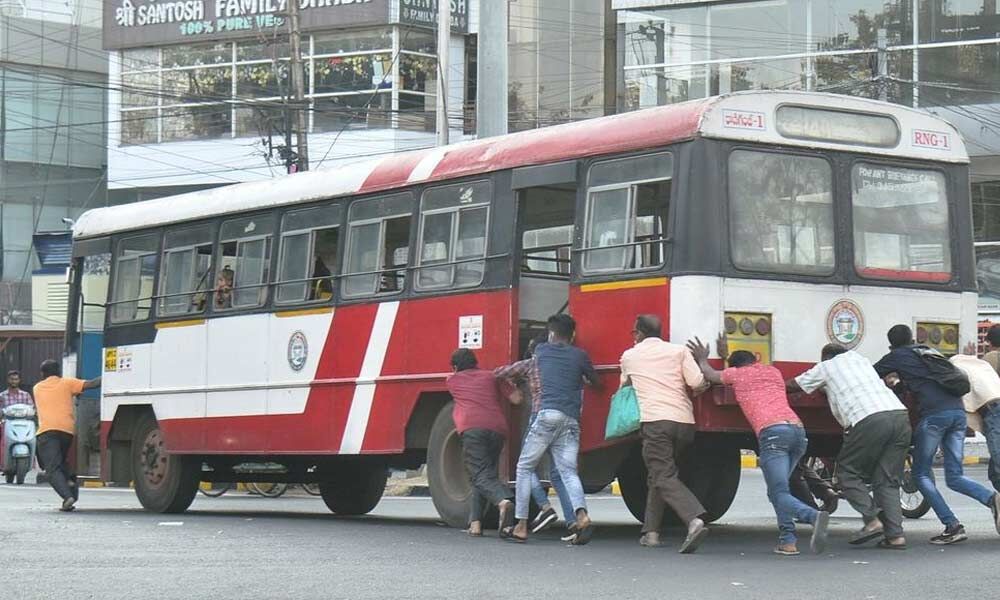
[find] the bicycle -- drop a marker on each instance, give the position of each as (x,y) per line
(912,502)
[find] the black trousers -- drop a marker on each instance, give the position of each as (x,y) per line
(481,451)
(873,454)
(53,452)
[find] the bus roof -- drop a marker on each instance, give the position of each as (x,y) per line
(742,116)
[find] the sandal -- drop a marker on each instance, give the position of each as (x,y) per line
(506,517)
(507,533)
(583,536)
(886,545)
(864,536)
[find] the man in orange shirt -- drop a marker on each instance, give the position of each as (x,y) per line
(54,401)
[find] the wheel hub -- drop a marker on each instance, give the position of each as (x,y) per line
(154,458)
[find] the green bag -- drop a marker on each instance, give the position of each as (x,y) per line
(623,414)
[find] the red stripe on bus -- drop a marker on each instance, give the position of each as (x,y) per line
(932,276)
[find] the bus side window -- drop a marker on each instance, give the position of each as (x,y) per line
(308,259)
(452,232)
(378,245)
(187,264)
(135,269)
(244,263)
(627,206)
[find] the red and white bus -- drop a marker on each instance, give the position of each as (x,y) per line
(307,321)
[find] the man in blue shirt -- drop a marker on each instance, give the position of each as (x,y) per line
(555,374)
(942,424)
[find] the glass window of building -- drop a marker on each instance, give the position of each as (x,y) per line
(237,89)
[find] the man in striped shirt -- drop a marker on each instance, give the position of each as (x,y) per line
(876,439)
(14,394)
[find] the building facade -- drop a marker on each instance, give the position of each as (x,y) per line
(200,93)
(53,80)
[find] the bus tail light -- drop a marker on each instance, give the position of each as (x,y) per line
(943,337)
(750,332)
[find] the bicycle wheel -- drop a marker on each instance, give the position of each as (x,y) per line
(216,490)
(268,490)
(913,503)
(311,488)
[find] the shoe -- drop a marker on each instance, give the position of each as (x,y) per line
(818,541)
(696,535)
(995,507)
(830,504)
(786,550)
(544,520)
(571,532)
(68,504)
(951,535)
(863,536)
(650,540)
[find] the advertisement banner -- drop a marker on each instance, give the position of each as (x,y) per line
(137,23)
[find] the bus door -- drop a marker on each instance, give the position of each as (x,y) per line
(620,257)
(89,281)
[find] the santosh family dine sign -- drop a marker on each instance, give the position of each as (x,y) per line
(136,23)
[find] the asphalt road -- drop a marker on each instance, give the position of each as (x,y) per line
(249,547)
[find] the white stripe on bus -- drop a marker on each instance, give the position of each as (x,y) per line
(425,168)
(371,368)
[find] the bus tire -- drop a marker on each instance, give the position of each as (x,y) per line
(164,482)
(712,474)
(446,476)
(355,489)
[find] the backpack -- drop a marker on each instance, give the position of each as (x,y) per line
(942,371)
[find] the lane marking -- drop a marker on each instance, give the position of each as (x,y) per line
(371,368)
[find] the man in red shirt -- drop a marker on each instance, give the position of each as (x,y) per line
(781,438)
(480,420)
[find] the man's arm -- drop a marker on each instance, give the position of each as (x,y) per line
(885,365)
(589,374)
(699,352)
(693,376)
(92,383)
(518,370)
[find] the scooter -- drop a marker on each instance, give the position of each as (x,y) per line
(18,442)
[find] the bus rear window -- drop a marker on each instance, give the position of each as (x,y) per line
(900,223)
(781,213)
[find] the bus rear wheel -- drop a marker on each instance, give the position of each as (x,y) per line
(446,477)
(712,474)
(164,482)
(354,489)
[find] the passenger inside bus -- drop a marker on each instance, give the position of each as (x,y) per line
(224,288)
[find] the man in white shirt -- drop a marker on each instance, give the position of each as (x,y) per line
(876,439)
(983,404)
(660,373)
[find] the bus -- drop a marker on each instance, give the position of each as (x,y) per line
(305,323)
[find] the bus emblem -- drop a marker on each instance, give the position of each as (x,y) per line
(298,351)
(845,324)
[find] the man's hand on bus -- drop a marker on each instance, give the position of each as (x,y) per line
(700,351)
(93,383)
(722,346)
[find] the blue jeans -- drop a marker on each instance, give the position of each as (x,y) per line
(991,431)
(539,494)
(945,429)
(559,434)
(781,448)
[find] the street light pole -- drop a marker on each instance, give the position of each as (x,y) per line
(298,85)
(444,37)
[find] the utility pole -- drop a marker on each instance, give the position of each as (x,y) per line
(298,87)
(491,79)
(882,58)
(444,37)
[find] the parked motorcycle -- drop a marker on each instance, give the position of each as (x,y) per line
(18,449)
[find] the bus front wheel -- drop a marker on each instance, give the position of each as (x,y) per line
(164,482)
(355,488)
(712,474)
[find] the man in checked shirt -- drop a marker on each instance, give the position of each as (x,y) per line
(14,394)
